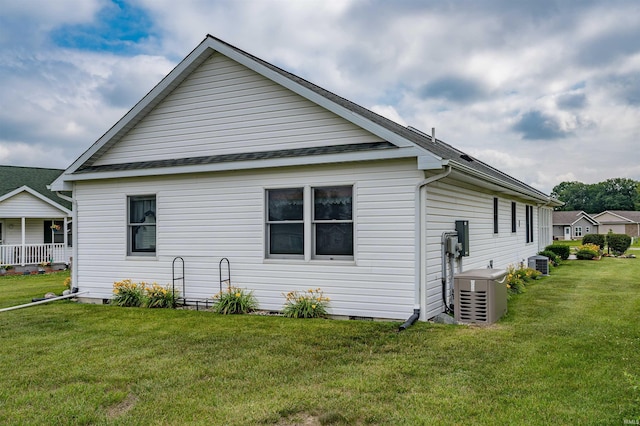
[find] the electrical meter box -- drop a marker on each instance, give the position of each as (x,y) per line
(462,228)
(480,295)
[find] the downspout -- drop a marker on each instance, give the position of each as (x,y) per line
(40,302)
(420,242)
(74,233)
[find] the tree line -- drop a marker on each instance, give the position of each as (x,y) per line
(612,194)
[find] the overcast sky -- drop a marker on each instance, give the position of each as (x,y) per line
(547,91)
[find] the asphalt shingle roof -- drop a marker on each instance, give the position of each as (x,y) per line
(14,177)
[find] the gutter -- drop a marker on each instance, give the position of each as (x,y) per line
(420,241)
(539,196)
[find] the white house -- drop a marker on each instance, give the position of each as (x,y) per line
(232,157)
(33,219)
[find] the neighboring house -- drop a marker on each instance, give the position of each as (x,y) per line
(619,222)
(232,157)
(573,225)
(32,218)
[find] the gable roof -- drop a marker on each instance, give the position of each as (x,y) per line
(14,179)
(570,217)
(432,154)
(629,216)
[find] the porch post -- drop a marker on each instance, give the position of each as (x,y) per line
(64,251)
(24,235)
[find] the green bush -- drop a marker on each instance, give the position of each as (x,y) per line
(553,258)
(234,301)
(561,250)
(618,243)
(586,254)
(596,239)
(310,304)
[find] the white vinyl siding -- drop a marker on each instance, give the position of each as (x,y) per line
(34,231)
(448,201)
(24,204)
(223,108)
(206,217)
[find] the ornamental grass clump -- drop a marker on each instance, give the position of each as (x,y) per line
(308,304)
(157,296)
(234,301)
(518,278)
(127,293)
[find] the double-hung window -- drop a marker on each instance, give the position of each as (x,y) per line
(333,222)
(141,225)
(578,231)
(285,222)
(310,222)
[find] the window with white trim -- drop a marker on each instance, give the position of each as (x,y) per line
(587,229)
(141,225)
(327,222)
(577,231)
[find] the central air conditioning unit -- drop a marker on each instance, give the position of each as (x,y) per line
(539,263)
(480,296)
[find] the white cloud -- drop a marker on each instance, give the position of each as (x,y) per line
(473,72)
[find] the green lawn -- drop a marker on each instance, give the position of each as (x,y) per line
(567,353)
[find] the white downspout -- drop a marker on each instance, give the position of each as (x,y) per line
(74,233)
(421,235)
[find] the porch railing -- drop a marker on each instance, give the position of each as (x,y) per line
(30,254)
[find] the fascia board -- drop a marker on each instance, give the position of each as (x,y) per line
(248,165)
(38,196)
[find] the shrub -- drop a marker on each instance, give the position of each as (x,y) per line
(554,259)
(234,301)
(618,243)
(159,297)
(128,293)
(310,304)
(561,250)
(517,279)
(596,239)
(586,254)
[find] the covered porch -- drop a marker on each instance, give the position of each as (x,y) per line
(34,241)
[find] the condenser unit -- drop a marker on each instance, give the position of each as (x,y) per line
(539,263)
(480,296)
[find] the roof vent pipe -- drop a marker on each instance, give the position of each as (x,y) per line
(433,134)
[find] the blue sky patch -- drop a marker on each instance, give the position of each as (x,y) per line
(119,28)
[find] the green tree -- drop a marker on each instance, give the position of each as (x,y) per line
(612,194)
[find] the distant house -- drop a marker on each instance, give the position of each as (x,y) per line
(573,225)
(619,222)
(33,220)
(232,157)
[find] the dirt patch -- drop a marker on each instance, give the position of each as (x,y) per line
(122,407)
(299,419)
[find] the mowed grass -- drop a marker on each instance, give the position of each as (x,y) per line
(566,353)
